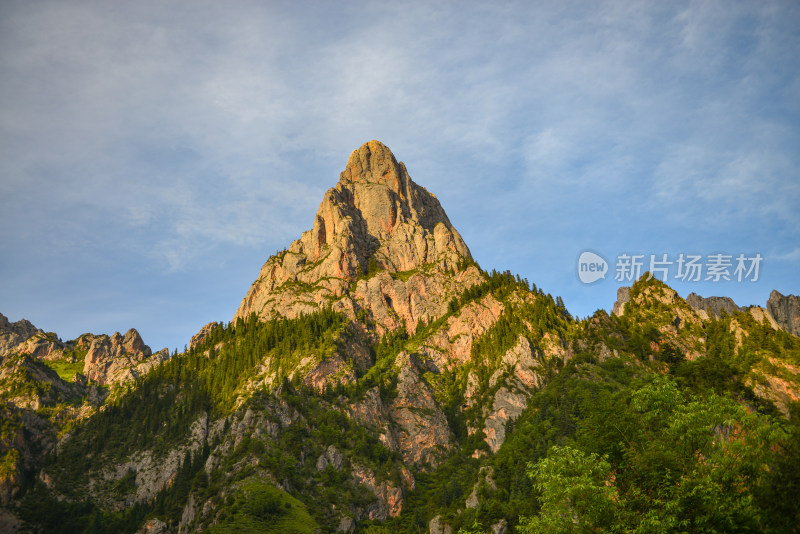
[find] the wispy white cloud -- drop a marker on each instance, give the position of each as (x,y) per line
(787,255)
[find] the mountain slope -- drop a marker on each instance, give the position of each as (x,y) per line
(48,386)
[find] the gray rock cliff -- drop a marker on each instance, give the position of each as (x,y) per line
(712,305)
(786,311)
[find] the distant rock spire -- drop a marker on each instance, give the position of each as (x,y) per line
(786,311)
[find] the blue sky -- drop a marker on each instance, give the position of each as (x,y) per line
(154,154)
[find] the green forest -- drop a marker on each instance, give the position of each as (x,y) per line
(643,440)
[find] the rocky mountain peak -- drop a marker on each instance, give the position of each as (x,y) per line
(12,334)
(786,311)
(373,162)
(376,210)
(110,358)
(375,215)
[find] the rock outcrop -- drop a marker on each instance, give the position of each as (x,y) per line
(657,294)
(520,365)
(786,311)
(332,456)
(412,423)
(775,387)
(12,334)
(42,347)
(107,359)
(50,390)
(782,311)
(437,526)
(712,306)
(623,296)
(424,435)
(423,295)
(36,402)
(388,498)
(375,217)
(763,315)
(117,358)
(203,334)
(486,478)
(30,392)
(451,346)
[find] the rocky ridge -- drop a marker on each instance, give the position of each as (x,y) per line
(117,358)
(712,305)
(383,252)
(107,359)
(683,324)
(781,311)
(37,403)
(12,334)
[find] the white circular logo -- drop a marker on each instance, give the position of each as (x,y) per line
(591,267)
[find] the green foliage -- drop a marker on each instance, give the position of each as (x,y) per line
(440,492)
(528,318)
(576,495)
(674,462)
(531,318)
(372,266)
(653,303)
(475,528)
(260,507)
(381,374)
(367,271)
(554,415)
(645,442)
(452,306)
(500,284)
(126,484)
(9,461)
(57,516)
(156,411)
(780,492)
(678,458)
(66,368)
(22,382)
(291,456)
(169,502)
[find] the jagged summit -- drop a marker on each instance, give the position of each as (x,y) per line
(375,214)
(377,210)
(786,310)
(712,305)
(373,162)
(12,334)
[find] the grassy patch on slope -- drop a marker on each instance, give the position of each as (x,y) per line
(259,507)
(66,369)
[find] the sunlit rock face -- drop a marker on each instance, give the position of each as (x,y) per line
(375,215)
